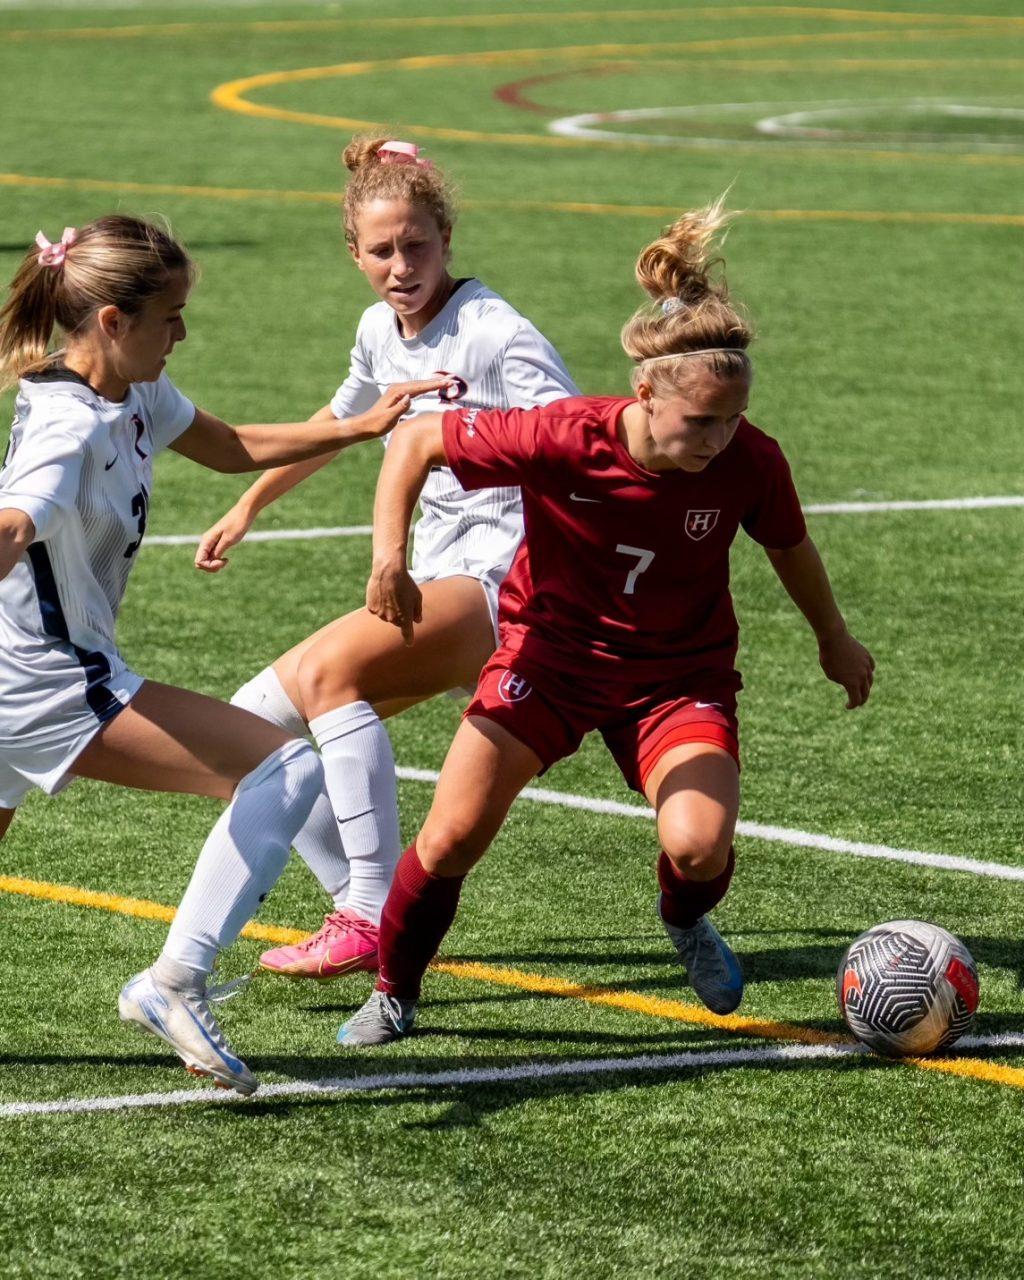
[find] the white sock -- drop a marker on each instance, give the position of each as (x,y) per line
(319,842)
(243,857)
(265,696)
(360,772)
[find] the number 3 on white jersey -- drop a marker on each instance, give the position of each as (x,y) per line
(644,560)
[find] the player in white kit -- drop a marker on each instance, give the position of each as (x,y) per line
(349,676)
(74,499)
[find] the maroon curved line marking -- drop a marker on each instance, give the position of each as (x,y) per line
(513,96)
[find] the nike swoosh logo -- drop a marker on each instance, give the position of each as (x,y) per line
(575,497)
(110,463)
(352,817)
(701,705)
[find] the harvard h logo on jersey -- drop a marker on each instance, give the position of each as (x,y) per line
(700,523)
(513,688)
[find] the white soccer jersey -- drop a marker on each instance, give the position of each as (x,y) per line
(81,467)
(501,361)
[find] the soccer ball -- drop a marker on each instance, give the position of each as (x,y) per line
(907,988)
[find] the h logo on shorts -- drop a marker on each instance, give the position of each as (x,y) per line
(513,688)
(700,523)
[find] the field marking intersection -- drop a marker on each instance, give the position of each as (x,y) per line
(799,1041)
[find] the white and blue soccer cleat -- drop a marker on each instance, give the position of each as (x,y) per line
(714,972)
(382,1019)
(183,1020)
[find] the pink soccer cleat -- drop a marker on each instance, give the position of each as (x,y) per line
(345,942)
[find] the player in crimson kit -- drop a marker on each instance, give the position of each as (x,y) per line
(615,615)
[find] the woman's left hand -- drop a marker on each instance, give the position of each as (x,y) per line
(395,403)
(846,661)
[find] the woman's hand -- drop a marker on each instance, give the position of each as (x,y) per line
(846,661)
(394,405)
(392,596)
(229,530)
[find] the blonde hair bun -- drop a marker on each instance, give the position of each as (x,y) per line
(362,151)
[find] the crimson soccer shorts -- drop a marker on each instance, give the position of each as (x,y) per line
(639,722)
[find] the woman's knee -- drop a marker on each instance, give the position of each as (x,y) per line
(327,679)
(448,847)
(697,855)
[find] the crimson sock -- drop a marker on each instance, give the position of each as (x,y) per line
(417,914)
(684,901)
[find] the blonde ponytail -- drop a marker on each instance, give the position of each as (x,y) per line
(691,311)
(27,320)
(113,261)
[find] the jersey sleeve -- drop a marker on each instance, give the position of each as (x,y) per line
(775,519)
(491,448)
(172,413)
(42,477)
(532,370)
(359,391)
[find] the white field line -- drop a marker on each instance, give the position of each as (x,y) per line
(812,509)
(761,831)
(469,1076)
(268,535)
(925,504)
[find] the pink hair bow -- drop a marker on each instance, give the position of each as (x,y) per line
(401,153)
(52,255)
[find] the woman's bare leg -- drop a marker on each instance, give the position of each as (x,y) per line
(6,818)
(170,739)
(361,658)
(695,790)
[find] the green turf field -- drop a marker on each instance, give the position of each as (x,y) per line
(879,156)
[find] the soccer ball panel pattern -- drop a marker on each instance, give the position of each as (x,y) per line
(907,988)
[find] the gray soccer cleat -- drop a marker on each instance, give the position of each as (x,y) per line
(710,964)
(382,1019)
(184,1021)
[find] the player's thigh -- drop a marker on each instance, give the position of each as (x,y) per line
(695,790)
(286,666)
(364,658)
(169,739)
(6,818)
(485,769)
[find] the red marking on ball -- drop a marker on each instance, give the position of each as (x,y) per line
(964,982)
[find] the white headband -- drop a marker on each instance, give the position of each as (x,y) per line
(704,351)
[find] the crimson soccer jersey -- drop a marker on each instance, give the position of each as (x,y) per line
(623,571)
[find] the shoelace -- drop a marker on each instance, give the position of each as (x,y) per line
(335,925)
(708,949)
(391,1007)
(201,1007)
(382,1005)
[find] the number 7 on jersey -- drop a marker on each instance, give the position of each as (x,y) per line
(644,560)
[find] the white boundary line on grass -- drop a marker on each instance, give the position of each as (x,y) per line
(527,1072)
(812,509)
(761,831)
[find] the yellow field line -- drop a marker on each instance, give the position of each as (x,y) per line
(910,216)
(301,25)
(539,984)
(233,96)
(166,189)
